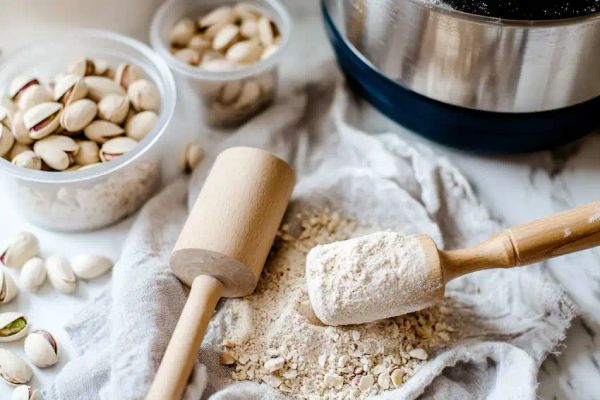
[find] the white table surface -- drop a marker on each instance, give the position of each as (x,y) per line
(515,188)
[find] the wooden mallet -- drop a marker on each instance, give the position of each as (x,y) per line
(222,249)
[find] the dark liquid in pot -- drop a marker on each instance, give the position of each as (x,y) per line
(525,9)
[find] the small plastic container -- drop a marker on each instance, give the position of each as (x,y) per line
(101,195)
(210,85)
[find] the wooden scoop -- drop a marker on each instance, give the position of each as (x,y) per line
(222,249)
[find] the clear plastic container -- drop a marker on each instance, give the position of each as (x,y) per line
(101,195)
(210,85)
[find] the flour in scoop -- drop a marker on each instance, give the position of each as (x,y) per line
(368,278)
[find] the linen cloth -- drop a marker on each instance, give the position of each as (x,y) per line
(512,319)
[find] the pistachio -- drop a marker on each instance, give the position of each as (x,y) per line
(218,65)
(88,153)
(19,130)
(24,392)
(127,74)
(198,43)
(19,84)
(21,248)
(6,140)
(141,124)
(192,155)
(70,88)
(182,32)
(13,369)
(8,288)
(144,95)
(227,36)
(90,266)
(246,11)
(57,151)
(249,95)
(5,117)
(13,326)
(220,15)
(28,159)
(17,149)
(101,131)
(9,106)
(188,56)
(42,119)
(102,68)
(32,96)
(78,114)
(249,28)
(100,86)
(269,51)
(230,91)
(116,147)
(82,67)
(61,274)
(41,348)
(33,274)
(266,31)
(246,51)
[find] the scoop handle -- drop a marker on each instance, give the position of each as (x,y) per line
(566,232)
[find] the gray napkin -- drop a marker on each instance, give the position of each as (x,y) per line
(513,319)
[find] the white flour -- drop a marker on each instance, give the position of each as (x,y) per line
(373,277)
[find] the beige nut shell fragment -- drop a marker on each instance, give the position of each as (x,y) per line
(61,274)
(28,159)
(43,119)
(33,274)
(90,266)
(141,124)
(78,114)
(22,247)
(41,348)
(13,369)
(57,151)
(100,131)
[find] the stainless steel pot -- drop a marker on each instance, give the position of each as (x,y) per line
(472,61)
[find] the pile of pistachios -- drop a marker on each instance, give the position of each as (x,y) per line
(40,346)
(89,115)
(226,38)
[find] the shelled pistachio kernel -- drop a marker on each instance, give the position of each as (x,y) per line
(13,369)
(13,326)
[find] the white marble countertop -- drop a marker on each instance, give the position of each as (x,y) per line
(515,188)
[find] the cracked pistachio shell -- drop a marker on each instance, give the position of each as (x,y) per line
(127,74)
(191,157)
(188,56)
(100,131)
(21,248)
(116,147)
(28,159)
(13,369)
(90,266)
(33,274)
(57,151)
(100,87)
(32,96)
(81,67)
(70,88)
(114,108)
(182,32)
(246,51)
(89,153)
(19,130)
(17,149)
(141,124)
(19,84)
(41,348)
(218,16)
(78,114)
(144,95)
(24,392)
(43,119)
(13,326)
(8,288)
(61,274)
(226,36)
(7,140)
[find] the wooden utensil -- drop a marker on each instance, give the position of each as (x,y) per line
(222,249)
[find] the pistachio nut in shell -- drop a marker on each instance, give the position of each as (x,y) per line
(17,149)
(246,11)
(116,147)
(89,153)
(8,287)
(100,86)
(13,369)
(82,67)
(33,274)
(100,131)
(8,105)
(19,84)
(191,157)
(127,74)
(70,88)
(6,140)
(141,124)
(266,31)
(22,247)
(19,130)
(25,392)
(249,28)
(61,274)
(182,32)
(78,114)
(249,95)
(114,108)
(43,119)
(5,117)
(199,43)
(41,348)
(269,51)
(28,159)
(57,151)
(246,51)
(230,91)
(220,15)
(227,36)
(144,95)
(13,326)
(188,56)
(32,96)
(102,68)
(90,266)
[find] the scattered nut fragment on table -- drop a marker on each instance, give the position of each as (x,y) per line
(24,392)
(13,326)
(41,348)
(45,127)
(13,369)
